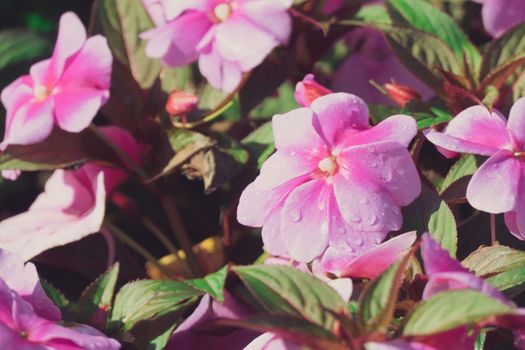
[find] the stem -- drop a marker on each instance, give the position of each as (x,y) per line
(110,241)
(121,236)
(129,162)
(181,234)
(308,19)
(157,232)
(493,228)
(418,146)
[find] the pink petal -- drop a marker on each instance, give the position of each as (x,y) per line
(397,128)
(388,165)
(495,185)
(32,123)
(511,220)
(437,259)
(255,204)
(155,11)
(16,95)
(173,9)
(271,234)
(475,130)
(294,132)
(271,16)
(516,123)
(76,108)
(338,113)
(282,167)
(500,15)
(271,341)
(71,38)
(343,286)
(364,205)
(305,219)
(23,279)
(240,41)
(221,74)
(371,264)
(90,68)
(60,216)
(445,281)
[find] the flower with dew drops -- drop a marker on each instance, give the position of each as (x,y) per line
(498,185)
(66,90)
(334,180)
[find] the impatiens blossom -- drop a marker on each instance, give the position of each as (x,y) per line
(497,186)
(271,341)
(71,207)
(500,15)
(185,336)
(227,37)
(28,318)
(334,180)
(368,264)
(66,90)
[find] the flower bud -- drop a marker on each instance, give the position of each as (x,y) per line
(308,90)
(401,94)
(181,102)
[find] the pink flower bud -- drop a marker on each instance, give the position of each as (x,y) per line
(181,102)
(401,94)
(308,90)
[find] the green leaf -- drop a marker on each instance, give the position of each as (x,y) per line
(448,310)
(465,166)
(260,143)
(494,259)
(213,284)
(504,50)
(287,327)
(272,105)
(373,14)
(59,299)
(511,281)
(423,16)
(51,154)
(378,300)
(429,213)
(148,299)
(98,296)
(20,46)
(121,22)
(287,291)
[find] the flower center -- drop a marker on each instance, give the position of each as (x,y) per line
(222,12)
(328,165)
(41,92)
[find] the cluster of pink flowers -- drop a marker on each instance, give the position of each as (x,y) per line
(227,37)
(335,186)
(30,320)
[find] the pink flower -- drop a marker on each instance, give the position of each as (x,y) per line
(500,15)
(271,341)
(333,181)
(67,90)
(71,207)
(368,264)
(227,37)
(496,187)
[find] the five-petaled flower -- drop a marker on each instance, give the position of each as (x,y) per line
(498,185)
(228,37)
(335,181)
(67,90)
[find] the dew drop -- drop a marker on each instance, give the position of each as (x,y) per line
(372,220)
(357,240)
(378,240)
(363,200)
(295,215)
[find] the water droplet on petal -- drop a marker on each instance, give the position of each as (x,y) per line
(363,200)
(378,240)
(357,240)
(356,219)
(295,215)
(372,219)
